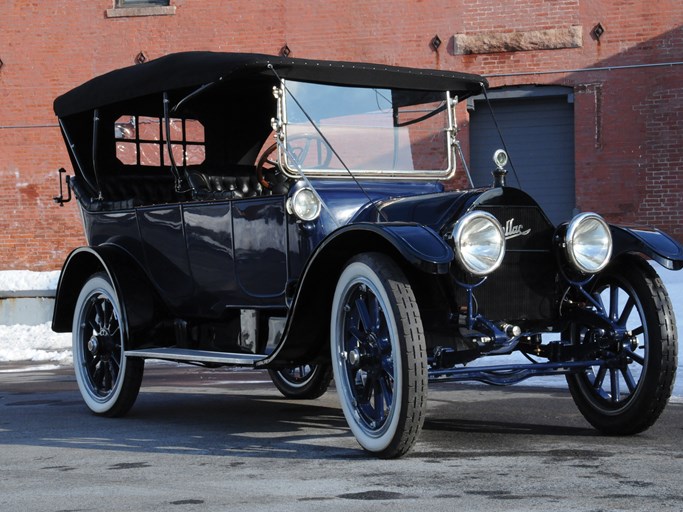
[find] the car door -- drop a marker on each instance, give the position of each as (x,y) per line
(237,253)
(260,249)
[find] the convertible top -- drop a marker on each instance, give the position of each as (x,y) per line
(194,69)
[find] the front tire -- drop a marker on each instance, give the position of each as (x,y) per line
(378,355)
(108,381)
(627,394)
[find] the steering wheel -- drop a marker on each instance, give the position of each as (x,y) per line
(299,146)
(268,164)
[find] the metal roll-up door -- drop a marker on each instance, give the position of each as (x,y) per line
(539,134)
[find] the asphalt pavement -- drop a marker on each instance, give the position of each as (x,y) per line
(222,440)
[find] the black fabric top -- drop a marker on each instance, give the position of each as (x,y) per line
(190,69)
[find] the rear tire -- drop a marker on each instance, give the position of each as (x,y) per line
(378,355)
(303,382)
(108,381)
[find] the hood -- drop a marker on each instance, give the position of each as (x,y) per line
(523,220)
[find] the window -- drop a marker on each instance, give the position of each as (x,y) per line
(142,141)
(140,8)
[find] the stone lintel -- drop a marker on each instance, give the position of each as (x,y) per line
(496,42)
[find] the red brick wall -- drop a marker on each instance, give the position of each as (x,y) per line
(629,123)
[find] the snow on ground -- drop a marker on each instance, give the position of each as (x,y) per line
(18,280)
(35,343)
(40,345)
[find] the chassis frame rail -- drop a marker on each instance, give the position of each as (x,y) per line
(505,375)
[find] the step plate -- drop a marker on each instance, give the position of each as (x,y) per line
(196,356)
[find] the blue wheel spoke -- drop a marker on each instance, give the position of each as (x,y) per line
(636,357)
(388,389)
(375,314)
(387,396)
(600,377)
(380,400)
(93,325)
(98,376)
(115,363)
(364,315)
(614,384)
(92,364)
(355,333)
(613,302)
(99,314)
(598,299)
(638,331)
(388,365)
(366,392)
(628,308)
(107,377)
(628,379)
(384,345)
(108,314)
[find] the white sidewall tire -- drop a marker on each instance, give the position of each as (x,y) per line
(356,273)
(378,353)
(99,405)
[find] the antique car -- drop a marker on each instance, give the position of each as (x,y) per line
(291,215)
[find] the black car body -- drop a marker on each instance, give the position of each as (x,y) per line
(287,214)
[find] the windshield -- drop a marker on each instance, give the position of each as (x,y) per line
(377,132)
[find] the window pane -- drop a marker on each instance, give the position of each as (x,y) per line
(194,131)
(150,154)
(176,130)
(148,128)
(195,155)
(124,128)
(127,153)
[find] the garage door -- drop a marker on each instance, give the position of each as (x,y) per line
(539,134)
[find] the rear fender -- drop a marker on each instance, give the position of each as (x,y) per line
(650,242)
(135,295)
(306,333)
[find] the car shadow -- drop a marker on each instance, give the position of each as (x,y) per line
(205,415)
(506,427)
(188,423)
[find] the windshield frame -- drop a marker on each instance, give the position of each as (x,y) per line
(293,170)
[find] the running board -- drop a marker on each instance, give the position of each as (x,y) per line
(196,356)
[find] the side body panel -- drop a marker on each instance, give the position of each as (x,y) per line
(260,245)
(163,241)
(202,258)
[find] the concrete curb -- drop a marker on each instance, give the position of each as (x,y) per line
(26,307)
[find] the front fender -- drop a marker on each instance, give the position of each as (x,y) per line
(135,295)
(648,241)
(420,245)
(305,337)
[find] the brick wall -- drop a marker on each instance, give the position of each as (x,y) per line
(628,122)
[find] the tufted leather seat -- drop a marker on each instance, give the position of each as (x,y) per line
(241,182)
(212,187)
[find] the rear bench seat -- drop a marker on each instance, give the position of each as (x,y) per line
(123,192)
(127,191)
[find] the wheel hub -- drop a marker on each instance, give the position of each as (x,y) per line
(353,357)
(93,345)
